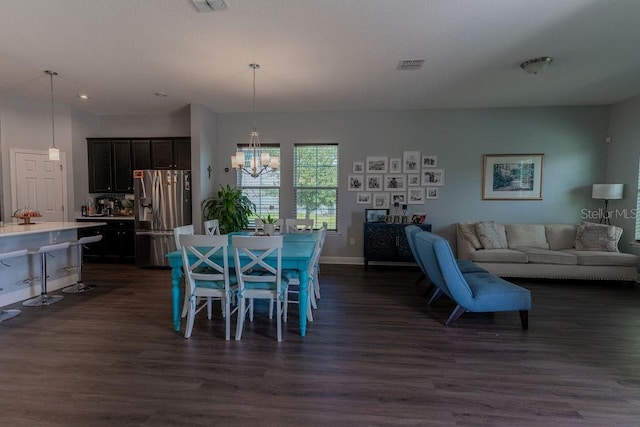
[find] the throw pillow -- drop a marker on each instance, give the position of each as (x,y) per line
(492,235)
(597,237)
(467,231)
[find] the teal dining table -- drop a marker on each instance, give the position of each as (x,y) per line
(297,250)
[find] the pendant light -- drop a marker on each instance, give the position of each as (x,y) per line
(258,162)
(54,153)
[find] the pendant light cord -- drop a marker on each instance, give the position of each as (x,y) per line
(254,66)
(53,128)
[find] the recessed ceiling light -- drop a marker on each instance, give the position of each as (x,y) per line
(161,94)
(83,96)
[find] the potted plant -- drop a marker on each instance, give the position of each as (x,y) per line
(231,208)
(269,225)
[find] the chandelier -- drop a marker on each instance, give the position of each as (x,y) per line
(257,161)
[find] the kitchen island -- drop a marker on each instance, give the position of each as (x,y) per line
(19,278)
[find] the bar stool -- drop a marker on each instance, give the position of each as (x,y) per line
(44,298)
(80,243)
(8,314)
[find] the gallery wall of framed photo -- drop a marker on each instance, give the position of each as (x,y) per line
(380,182)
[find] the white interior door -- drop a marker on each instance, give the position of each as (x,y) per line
(38,183)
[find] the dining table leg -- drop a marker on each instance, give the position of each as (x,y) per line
(303,300)
(176,293)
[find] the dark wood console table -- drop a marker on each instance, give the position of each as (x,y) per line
(387,242)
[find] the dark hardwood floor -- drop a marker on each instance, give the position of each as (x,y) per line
(375,355)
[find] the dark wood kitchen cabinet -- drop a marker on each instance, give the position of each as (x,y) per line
(171,153)
(110,167)
(117,244)
(113,160)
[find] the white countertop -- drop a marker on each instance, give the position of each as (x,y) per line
(13,229)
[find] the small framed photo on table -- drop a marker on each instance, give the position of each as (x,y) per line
(375,215)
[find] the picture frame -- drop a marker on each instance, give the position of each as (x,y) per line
(399,197)
(413,180)
(395,165)
(355,182)
(432,177)
(380,201)
(512,176)
(411,162)
(429,161)
(358,167)
(395,182)
(377,165)
(432,193)
(373,182)
(418,218)
(415,196)
(363,198)
(375,215)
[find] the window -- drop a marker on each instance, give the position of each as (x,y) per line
(263,190)
(315,175)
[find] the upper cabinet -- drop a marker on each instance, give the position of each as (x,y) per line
(110,167)
(113,160)
(171,153)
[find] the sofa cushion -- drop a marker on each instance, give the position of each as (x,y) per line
(545,256)
(560,236)
(467,230)
(597,237)
(526,236)
(491,234)
(499,255)
(604,258)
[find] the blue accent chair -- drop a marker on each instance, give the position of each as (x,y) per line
(471,291)
(465,265)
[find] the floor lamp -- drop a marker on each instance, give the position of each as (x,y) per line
(606,192)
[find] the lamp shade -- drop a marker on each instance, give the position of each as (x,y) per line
(607,191)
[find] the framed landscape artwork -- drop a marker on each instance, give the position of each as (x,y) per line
(512,176)
(394,182)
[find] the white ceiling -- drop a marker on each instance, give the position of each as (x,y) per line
(319,55)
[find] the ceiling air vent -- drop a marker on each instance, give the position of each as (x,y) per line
(210,5)
(410,64)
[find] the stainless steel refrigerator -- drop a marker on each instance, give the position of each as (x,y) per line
(162,202)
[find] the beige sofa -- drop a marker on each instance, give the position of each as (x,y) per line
(552,251)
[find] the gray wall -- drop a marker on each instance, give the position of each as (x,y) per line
(204,146)
(571,138)
(622,165)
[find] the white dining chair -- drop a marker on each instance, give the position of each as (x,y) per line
(205,277)
(294,225)
(211,227)
(312,274)
(258,278)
